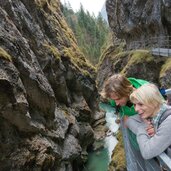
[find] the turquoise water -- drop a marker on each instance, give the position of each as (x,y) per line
(97,161)
(107,107)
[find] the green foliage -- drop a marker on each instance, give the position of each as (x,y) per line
(91,32)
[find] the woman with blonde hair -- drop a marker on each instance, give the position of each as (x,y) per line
(153,112)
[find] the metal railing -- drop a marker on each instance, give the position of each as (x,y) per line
(161,52)
(152,42)
(168,91)
(165,160)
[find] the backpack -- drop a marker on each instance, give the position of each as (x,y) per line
(162,118)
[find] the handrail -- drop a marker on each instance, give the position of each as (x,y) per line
(152,42)
(168,91)
(165,160)
(161,52)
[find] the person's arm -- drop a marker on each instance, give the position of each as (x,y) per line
(134,122)
(153,146)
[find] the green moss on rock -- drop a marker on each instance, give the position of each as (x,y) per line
(53,51)
(141,55)
(111,52)
(135,57)
(78,60)
(46,3)
(5,55)
(41,3)
(165,67)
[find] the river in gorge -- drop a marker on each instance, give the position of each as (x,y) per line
(100,159)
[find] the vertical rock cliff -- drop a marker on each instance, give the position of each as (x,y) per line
(137,26)
(137,20)
(48,96)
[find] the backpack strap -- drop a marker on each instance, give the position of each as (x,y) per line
(164,116)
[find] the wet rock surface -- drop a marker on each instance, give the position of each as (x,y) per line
(48,95)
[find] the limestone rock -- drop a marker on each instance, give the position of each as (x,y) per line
(136,20)
(46,88)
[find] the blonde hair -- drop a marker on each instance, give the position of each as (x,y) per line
(148,94)
(117,84)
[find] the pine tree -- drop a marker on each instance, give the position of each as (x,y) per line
(91,32)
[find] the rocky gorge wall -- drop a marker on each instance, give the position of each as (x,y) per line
(48,95)
(136,20)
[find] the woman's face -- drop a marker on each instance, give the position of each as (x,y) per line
(143,110)
(120,101)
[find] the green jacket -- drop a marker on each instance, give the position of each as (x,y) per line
(129,111)
(126,110)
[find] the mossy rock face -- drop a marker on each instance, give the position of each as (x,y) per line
(79,61)
(61,42)
(138,63)
(147,67)
(118,162)
(48,72)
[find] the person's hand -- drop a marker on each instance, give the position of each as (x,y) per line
(150,130)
